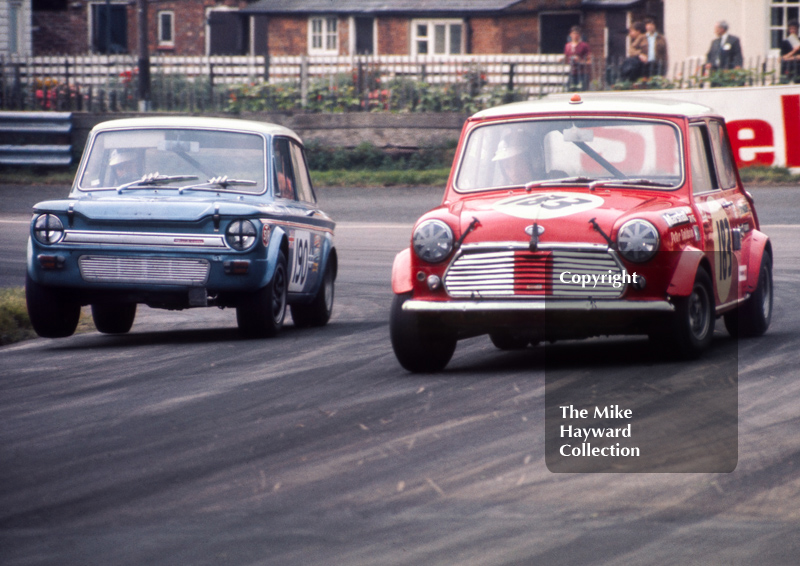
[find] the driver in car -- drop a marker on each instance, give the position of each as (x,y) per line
(124,167)
(518,164)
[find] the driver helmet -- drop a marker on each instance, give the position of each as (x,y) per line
(119,156)
(507,149)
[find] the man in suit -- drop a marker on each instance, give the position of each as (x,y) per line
(725,51)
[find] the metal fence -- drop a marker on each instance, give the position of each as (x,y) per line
(319,83)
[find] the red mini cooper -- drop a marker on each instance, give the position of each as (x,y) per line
(576,217)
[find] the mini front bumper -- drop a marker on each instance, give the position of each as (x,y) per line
(555,305)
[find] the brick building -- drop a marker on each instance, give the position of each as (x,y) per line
(444,27)
(340,27)
(180,27)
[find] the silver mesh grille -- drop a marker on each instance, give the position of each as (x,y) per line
(154,270)
(525,274)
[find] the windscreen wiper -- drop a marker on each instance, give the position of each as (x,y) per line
(218,185)
(642,181)
(153,180)
(562,181)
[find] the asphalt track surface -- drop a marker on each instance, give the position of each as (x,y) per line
(181,443)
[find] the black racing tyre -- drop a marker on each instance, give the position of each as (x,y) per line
(420,345)
(52,312)
(693,321)
(113,318)
(508,341)
(317,312)
(752,318)
(262,313)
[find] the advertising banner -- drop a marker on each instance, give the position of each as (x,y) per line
(763,122)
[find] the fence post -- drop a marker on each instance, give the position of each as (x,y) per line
(303,81)
(18,86)
(266,68)
(510,85)
(211,83)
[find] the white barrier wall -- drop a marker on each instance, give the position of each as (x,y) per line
(763,122)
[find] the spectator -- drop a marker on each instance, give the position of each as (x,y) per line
(656,50)
(725,51)
(578,56)
(790,53)
(633,66)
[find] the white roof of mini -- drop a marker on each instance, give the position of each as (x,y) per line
(198,123)
(598,104)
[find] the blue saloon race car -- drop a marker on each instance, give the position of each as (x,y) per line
(180,212)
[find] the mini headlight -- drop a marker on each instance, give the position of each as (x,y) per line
(433,241)
(48,229)
(241,235)
(637,240)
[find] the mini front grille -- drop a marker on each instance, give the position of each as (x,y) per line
(520,273)
(153,270)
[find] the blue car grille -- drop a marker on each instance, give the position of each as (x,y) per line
(152,270)
(520,273)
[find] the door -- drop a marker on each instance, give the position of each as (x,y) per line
(229,33)
(365,36)
(554,31)
(306,226)
(718,214)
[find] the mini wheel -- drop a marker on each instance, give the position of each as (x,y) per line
(752,318)
(420,345)
(693,321)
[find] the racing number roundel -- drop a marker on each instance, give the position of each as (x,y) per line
(300,259)
(724,268)
(549,205)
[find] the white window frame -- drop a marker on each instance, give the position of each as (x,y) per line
(90,17)
(783,6)
(430,26)
(161,41)
(328,38)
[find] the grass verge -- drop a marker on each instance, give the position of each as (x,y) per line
(761,175)
(15,325)
(407,178)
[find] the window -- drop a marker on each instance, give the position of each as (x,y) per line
(109,24)
(726,170)
(703,178)
(507,154)
(781,12)
(14,24)
(282,170)
(323,36)
(304,190)
(438,37)
(166,29)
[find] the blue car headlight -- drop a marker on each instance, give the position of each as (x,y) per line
(241,235)
(48,229)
